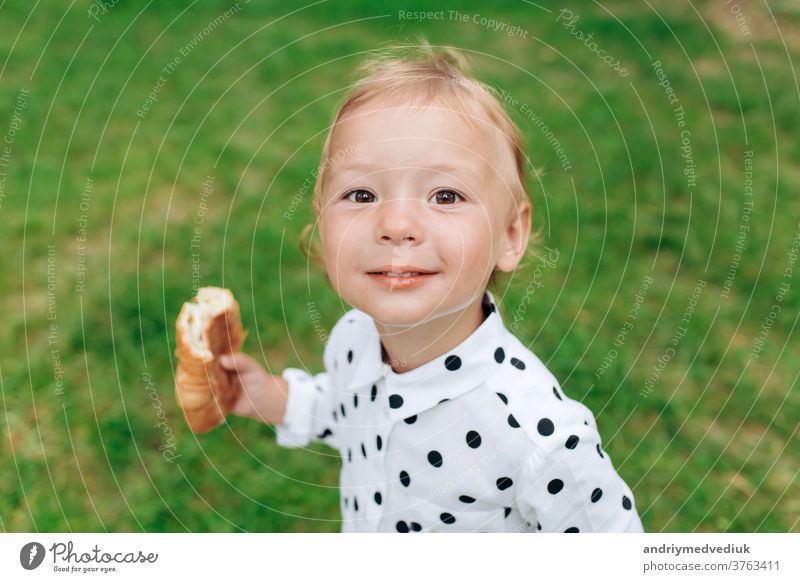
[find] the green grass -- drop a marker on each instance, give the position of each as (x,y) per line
(713,446)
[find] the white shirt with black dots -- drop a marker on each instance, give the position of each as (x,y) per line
(480,439)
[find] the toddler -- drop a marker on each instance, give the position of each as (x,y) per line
(444,420)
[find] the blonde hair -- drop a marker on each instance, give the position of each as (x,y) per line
(411,72)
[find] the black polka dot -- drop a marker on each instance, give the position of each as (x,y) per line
(395,401)
(452,363)
(572,441)
(626,502)
(466,499)
(410,419)
(341,407)
(503,397)
(350,454)
(335,416)
(512,422)
(555,486)
(373,393)
(325,433)
(447,518)
(499,355)
(405,479)
(507,511)
(349,356)
(379,442)
(435,458)
(443,400)
(355,400)
(415,526)
(556,393)
(545,427)
(473,439)
(378,497)
(363,450)
(504,483)
(572,530)
(538,526)
(355,503)
(599,452)
(586,423)
(518,364)
(596,495)
(346,502)
(402,527)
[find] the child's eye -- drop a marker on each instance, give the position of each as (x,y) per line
(357,193)
(448,196)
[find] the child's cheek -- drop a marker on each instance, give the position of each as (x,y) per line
(336,254)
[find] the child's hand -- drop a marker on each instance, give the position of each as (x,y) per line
(262,396)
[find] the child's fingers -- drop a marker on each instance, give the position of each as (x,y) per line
(227,362)
(237,362)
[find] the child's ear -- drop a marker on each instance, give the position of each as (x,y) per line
(515,238)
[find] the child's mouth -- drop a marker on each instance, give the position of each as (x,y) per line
(400,280)
(393,274)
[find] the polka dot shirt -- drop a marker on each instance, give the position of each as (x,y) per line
(480,439)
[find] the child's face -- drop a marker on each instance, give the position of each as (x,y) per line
(389,200)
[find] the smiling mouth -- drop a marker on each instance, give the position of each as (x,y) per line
(400,275)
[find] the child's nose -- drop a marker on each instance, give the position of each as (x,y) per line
(398,221)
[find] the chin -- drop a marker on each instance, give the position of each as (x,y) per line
(397,311)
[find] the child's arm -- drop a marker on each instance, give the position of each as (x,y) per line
(302,406)
(567,482)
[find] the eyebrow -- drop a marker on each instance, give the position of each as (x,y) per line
(446,168)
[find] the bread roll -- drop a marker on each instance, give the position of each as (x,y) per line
(207,327)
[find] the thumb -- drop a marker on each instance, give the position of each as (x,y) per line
(230,362)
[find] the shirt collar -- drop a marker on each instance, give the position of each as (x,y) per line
(454,373)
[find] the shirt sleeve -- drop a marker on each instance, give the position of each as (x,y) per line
(310,404)
(568,483)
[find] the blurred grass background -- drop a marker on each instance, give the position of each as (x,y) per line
(712,446)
